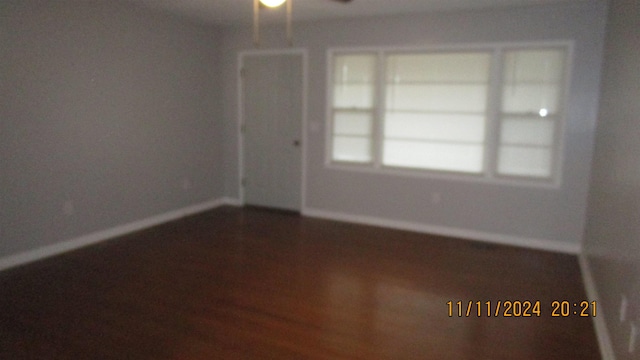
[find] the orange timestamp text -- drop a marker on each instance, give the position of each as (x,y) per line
(517,308)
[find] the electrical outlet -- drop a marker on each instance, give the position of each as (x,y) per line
(633,338)
(68,208)
(624,304)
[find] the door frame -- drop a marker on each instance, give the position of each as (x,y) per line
(303,53)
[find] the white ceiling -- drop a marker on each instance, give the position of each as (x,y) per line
(225,12)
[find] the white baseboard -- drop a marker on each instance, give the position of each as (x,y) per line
(599,322)
(538,244)
(102,235)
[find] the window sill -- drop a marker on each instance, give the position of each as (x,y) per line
(478,178)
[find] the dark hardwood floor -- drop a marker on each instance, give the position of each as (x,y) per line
(253,284)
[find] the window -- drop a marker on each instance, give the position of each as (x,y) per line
(353,99)
(435,111)
(494,112)
(530,111)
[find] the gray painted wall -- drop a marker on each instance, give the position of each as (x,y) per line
(613,221)
(109,106)
(556,215)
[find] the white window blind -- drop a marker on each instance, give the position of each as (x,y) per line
(494,111)
(531,98)
(435,111)
(353,107)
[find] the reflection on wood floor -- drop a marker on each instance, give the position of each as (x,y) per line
(247,283)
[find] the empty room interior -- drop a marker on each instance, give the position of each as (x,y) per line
(324,179)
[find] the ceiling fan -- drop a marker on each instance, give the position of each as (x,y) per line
(257,4)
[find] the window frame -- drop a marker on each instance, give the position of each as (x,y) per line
(383,108)
(489,172)
(375,115)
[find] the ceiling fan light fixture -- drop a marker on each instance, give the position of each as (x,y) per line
(272,3)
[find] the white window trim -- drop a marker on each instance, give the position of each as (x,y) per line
(489,174)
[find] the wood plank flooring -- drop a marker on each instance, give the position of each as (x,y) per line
(248,283)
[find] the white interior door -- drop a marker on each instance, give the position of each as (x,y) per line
(272,102)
